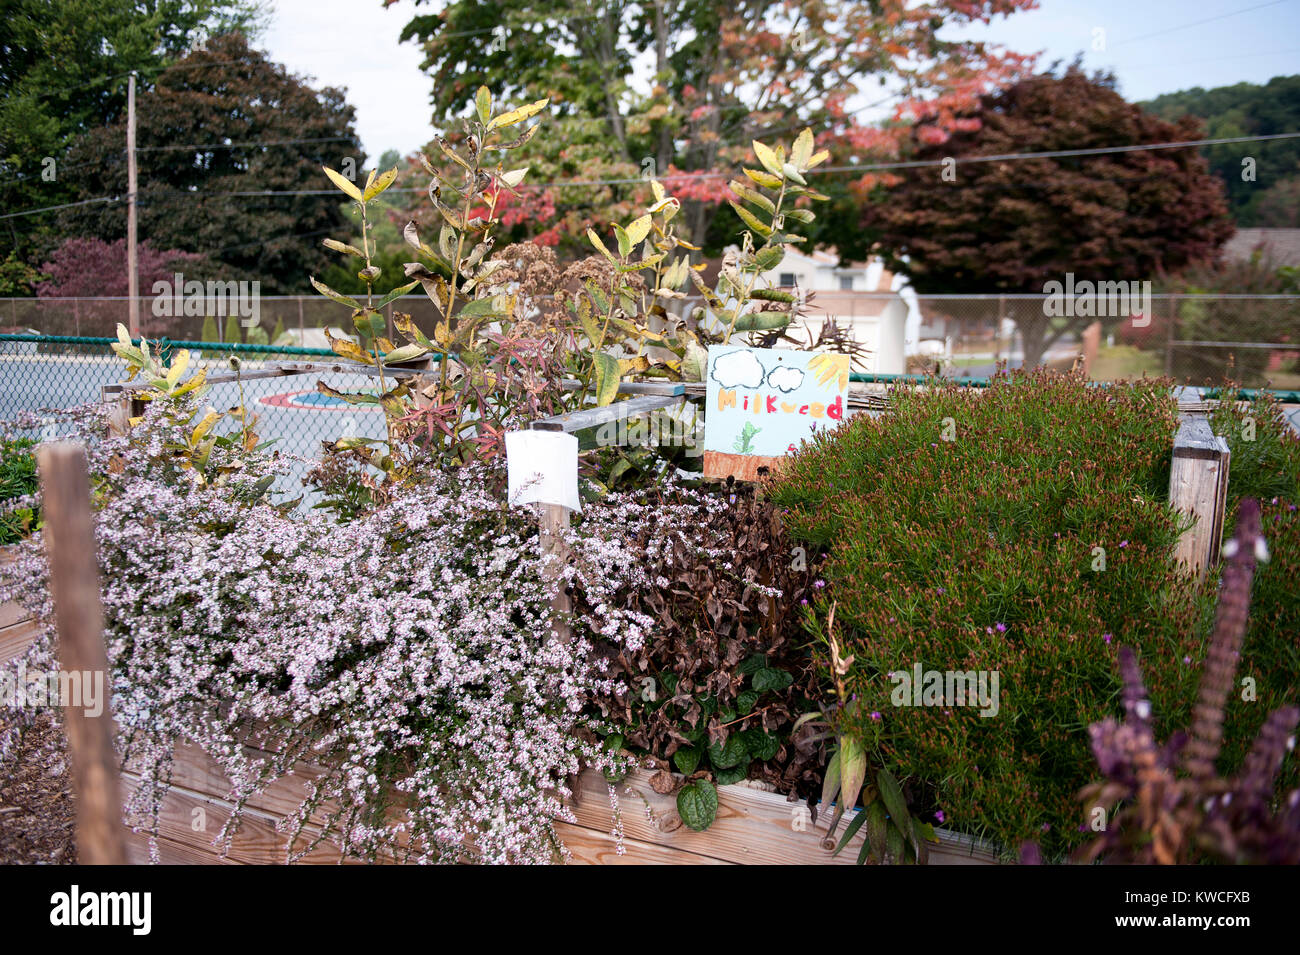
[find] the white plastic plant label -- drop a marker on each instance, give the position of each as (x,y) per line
(543,468)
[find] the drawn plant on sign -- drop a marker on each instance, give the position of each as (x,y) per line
(744,444)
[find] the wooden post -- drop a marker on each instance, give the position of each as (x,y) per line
(552,523)
(1091,343)
(74,585)
(1198,485)
(125,407)
(132,267)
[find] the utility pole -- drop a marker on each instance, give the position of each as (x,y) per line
(133,271)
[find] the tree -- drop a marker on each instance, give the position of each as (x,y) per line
(1262,178)
(63,71)
(226,121)
(1013,226)
(17,278)
(724,74)
(92,268)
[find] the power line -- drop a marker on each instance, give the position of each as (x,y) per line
(1062,153)
(58,167)
(860,168)
(66,205)
(865,167)
(1196,23)
(204,147)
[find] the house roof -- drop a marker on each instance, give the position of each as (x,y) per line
(1282,246)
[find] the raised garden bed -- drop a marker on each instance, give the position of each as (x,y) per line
(753,826)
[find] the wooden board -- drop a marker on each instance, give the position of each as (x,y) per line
(753,826)
(1198,486)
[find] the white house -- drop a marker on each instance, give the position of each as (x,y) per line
(877,304)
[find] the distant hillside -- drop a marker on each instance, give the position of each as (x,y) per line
(1247,109)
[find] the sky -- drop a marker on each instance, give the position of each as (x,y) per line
(1153,47)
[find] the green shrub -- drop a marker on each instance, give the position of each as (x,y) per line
(18,479)
(962,530)
(231,334)
(209,333)
(1265,465)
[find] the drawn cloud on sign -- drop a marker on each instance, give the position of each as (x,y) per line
(738,369)
(784,378)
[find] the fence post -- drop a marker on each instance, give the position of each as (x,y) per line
(74,585)
(1198,486)
(1169,338)
(302,335)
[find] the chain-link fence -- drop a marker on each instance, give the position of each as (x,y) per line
(43,374)
(1251,340)
(285,320)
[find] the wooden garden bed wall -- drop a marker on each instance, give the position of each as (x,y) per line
(753,826)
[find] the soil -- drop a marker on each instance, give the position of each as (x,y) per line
(37,810)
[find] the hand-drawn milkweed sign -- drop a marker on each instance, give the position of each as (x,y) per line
(761,403)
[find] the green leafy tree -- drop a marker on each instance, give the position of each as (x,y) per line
(231,334)
(1262,178)
(283,131)
(63,71)
(1014,226)
(17,278)
(209,330)
(723,75)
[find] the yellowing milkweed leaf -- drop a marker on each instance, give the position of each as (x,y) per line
(204,426)
(638,229)
(750,219)
(329,293)
(802,149)
(348,187)
(517,115)
(607,378)
(763,179)
(769,158)
(380,184)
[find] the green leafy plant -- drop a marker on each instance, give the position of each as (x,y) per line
(1265,466)
(893,833)
(197,449)
(18,482)
(1027,546)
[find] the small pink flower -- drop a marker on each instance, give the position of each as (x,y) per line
(1106,637)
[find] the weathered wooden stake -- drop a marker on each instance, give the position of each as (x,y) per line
(552,523)
(123,410)
(1198,485)
(74,585)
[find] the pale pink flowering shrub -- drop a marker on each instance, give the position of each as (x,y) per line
(407,653)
